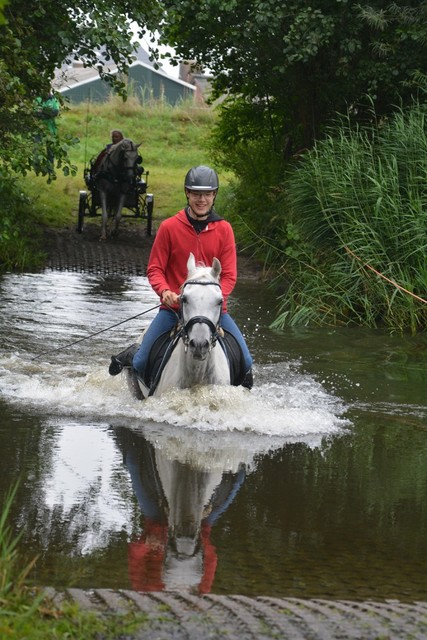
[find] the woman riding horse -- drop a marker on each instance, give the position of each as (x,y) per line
(199,230)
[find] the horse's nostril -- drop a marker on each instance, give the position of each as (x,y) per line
(199,349)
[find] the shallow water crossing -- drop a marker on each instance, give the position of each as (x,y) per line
(311,485)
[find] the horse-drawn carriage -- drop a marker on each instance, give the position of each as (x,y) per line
(116,187)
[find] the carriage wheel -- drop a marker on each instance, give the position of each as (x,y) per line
(150,206)
(82,209)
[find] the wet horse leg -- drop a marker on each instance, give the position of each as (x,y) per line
(103,199)
(118,214)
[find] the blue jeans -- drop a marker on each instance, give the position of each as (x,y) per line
(165,321)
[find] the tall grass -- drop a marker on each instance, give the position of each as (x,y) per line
(358,202)
(12,576)
(27,612)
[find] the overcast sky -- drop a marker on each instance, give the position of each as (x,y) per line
(167,67)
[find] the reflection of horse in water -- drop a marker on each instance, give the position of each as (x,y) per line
(114,174)
(180,504)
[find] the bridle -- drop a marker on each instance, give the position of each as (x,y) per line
(121,170)
(214,328)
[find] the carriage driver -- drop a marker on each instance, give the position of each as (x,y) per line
(116,136)
(197,229)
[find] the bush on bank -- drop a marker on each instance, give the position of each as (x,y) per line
(19,230)
(345,229)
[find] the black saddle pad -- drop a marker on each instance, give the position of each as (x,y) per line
(165,344)
(235,357)
(159,355)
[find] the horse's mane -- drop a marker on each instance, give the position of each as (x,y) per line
(115,149)
(110,157)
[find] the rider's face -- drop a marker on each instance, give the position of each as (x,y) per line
(200,202)
(116,136)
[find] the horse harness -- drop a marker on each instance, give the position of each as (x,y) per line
(112,171)
(166,343)
(214,328)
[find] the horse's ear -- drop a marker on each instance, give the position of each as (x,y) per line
(191,263)
(138,145)
(216,268)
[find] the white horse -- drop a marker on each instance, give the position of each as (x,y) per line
(197,358)
(114,175)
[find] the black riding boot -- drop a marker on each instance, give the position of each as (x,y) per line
(248,380)
(124,359)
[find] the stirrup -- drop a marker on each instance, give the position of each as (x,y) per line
(123,359)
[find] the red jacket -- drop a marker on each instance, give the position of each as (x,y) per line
(146,558)
(177,238)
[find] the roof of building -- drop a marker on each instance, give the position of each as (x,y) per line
(76,74)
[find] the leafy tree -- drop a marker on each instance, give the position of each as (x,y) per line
(296,63)
(286,69)
(36,37)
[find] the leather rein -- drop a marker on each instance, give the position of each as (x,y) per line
(214,328)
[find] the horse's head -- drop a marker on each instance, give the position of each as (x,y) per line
(190,492)
(124,158)
(201,307)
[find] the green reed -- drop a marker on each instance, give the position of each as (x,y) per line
(359,204)
(27,613)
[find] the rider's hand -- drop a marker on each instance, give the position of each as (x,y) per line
(170,298)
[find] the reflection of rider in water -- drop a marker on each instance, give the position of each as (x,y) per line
(154,561)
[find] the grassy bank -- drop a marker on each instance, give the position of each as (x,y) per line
(173,139)
(26,613)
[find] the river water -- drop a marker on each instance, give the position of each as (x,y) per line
(314,484)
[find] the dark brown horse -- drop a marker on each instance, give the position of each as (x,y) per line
(114,173)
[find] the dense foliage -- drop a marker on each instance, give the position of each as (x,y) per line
(355,238)
(294,65)
(287,70)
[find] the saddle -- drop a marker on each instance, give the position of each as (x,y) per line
(161,352)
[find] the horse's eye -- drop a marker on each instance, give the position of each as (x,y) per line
(183,299)
(220,302)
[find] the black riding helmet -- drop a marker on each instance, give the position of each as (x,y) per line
(201,178)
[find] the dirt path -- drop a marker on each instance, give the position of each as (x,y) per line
(71,251)
(125,255)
